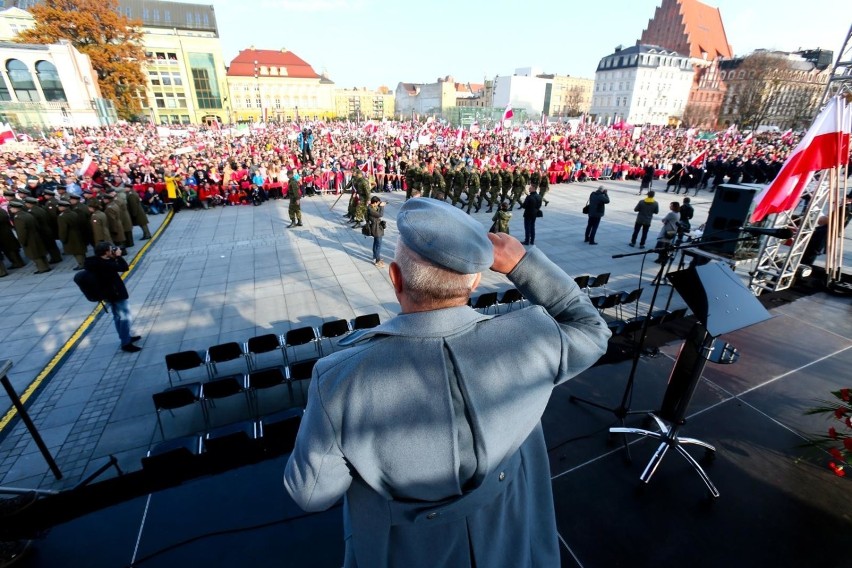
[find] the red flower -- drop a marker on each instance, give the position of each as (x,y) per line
(835,453)
(847,443)
(844,394)
(849,422)
(837,469)
(839,412)
(832,433)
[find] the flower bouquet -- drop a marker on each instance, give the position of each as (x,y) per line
(838,440)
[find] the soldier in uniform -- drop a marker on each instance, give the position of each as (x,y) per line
(412,179)
(496,189)
(543,187)
(28,235)
(9,243)
(98,223)
(362,187)
(473,182)
(126,221)
(83,217)
(353,199)
(519,185)
(113,215)
(485,187)
(70,234)
(459,183)
(294,194)
(52,207)
(42,218)
(507,180)
(437,184)
(137,213)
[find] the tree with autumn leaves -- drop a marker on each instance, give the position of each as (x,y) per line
(112,42)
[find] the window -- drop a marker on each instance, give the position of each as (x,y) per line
(48,78)
(22,81)
(204,80)
(167,16)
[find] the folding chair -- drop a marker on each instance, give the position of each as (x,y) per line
(599,281)
(486,301)
(301,336)
(301,372)
(603,303)
(225,352)
(265,343)
(628,298)
(225,387)
(178,397)
(278,431)
(333,329)
(183,361)
(511,297)
(583,281)
(174,459)
(263,380)
(367,321)
(236,441)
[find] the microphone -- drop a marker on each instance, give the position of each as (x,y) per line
(777,232)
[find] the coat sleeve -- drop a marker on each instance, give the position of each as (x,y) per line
(317,474)
(584,332)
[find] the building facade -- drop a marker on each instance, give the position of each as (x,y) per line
(523,90)
(694,29)
(567,96)
(642,84)
(362,104)
(425,98)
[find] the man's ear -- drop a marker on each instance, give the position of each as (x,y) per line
(396,277)
(476,281)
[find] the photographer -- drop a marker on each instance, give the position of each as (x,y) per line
(375,212)
(106,266)
(597,206)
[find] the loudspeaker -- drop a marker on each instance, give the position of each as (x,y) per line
(731,208)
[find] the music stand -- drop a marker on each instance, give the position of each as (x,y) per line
(722,304)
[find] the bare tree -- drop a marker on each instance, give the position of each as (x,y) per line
(574,101)
(757,83)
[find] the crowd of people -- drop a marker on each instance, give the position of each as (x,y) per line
(100,172)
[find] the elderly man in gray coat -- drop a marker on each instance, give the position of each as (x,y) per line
(428,426)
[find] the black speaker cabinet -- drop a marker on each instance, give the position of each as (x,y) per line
(731,208)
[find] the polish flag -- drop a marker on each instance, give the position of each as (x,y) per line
(506,122)
(699,160)
(825,145)
(748,139)
(89,166)
(6,133)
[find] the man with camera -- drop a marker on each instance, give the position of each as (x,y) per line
(428,427)
(106,266)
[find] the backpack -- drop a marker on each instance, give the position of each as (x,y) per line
(89,285)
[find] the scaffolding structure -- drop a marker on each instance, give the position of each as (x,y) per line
(779,261)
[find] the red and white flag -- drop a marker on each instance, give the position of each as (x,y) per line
(89,166)
(6,133)
(699,160)
(474,128)
(749,139)
(507,116)
(825,145)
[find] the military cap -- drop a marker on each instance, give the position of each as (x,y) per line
(8,193)
(32,200)
(72,196)
(63,203)
(24,191)
(107,196)
(93,203)
(32,179)
(16,203)
(49,192)
(445,236)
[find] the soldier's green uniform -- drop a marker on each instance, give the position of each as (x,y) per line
(449,178)
(496,189)
(438,185)
(353,198)
(412,180)
(519,184)
(9,243)
(543,188)
(473,182)
(507,180)
(484,187)
(84,217)
(42,218)
(294,194)
(362,187)
(113,215)
(459,184)
(70,234)
(28,235)
(52,208)
(126,220)
(98,223)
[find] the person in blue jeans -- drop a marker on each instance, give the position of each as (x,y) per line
(106,265)
(375,211)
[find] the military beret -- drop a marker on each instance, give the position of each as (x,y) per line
(445,235)
(16,203)
(63,203)
(31,200)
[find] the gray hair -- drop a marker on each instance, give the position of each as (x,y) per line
(426,282)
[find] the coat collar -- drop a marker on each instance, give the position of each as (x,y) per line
(435,323)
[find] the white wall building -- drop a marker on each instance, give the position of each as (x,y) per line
(642,84)
(521,91)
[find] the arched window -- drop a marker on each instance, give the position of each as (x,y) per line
(50,83)
(22,81)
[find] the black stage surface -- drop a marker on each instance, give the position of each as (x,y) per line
(780,504)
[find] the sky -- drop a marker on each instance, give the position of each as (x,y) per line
(369,43)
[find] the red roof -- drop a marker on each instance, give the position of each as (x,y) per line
(268,63)
(688,26)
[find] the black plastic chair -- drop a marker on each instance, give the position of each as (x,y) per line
(266,379)
(225,352)
(511,297)
(599,281)
(233,442)
(279,430)
(183,361)
(300,373)
(628,298)
(266,343)
(366,321)
(301,336)
(603,303)
(225,387)
(583,281)
(486,301)
(332,329)
(179,397)
(175,459)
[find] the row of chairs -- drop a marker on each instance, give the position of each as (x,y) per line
(587,281)
(629,327)
(247,441)
(205,395)
(266,343)
(488,300)
(617,301)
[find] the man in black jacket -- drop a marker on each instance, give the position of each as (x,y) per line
(106,266)
(597,205)
(531,207)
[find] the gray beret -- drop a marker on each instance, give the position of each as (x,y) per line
(445,235)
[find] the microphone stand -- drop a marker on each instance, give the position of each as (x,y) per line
(623,410)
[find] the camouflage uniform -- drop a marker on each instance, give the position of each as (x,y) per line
(543,188)
(438,184)
(294,194)
(473,182)
(459,184)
